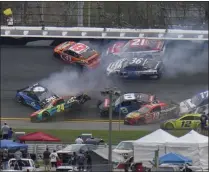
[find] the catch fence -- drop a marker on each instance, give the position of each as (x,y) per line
(192,15)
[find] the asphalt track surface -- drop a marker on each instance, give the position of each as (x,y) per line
(22,66)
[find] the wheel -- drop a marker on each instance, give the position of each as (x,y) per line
(169,126)
(104,114)
(56,55)
(33,119)
(140,121)
(45,116)
(20,100)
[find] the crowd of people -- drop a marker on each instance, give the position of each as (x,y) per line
(76,160)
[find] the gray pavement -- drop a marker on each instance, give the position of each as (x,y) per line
(22,66)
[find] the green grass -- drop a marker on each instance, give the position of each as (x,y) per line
(69,136)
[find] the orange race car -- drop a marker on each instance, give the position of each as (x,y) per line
(79,53)
(152,113)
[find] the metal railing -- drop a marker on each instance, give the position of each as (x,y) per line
(109,14)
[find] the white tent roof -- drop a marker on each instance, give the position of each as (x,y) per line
(157,137)
(190,138)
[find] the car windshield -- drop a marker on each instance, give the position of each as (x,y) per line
(118,101)
(196,100)
(125,146)
(90,52)
(143,110)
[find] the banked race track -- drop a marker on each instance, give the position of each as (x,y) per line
(23,66)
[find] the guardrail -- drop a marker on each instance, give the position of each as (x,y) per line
(102,33)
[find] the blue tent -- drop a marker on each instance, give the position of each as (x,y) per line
(173,158)
(9,144)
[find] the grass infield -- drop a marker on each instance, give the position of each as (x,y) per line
(69,136)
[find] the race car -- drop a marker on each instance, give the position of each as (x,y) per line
(77,53)
(151,113)
(35,96)
(191,105)
(57,106)
(138,47)
(136,68)
(125,103)
(187,121)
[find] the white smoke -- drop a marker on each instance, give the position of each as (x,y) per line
(185,59)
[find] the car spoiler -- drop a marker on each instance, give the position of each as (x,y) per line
(19,90)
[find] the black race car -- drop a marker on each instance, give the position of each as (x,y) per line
(125,103)
(36,96)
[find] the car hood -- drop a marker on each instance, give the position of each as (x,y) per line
(133,114)
(186,106)
(122,151)
(115,66)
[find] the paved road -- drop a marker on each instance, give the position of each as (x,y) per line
(22,66)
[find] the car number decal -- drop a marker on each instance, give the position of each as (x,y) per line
(204,95)
(60,108)
(130,96)
(79,48)
(50,99)
(39,89)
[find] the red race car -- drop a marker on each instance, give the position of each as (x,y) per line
(139,46)
(151,113)
(79,53)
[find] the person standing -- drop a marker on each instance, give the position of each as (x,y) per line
(79,140)
(5,131)
(18,157)
(81,160)
(53,158)
(88,161)
(5,158)
(10,133)
(46,158)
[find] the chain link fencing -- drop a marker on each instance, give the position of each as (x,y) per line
(191,15)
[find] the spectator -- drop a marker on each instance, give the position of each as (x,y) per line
(79,140)
(5,131)
(203,121)
(46,158)
(10,133)
(5,158)
(73,159)
(18,156)
(88,161)
(81,160)
(53,158)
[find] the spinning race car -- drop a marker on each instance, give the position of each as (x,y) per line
(35,96)
(125,103)
(57,106)
(187,121)
(193,104)
(77,53)
(138,47)
(151,113)
(136,68)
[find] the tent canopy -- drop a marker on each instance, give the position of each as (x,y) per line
(173,158)
(190,138)
(9,144)
(157,137)
(38,136)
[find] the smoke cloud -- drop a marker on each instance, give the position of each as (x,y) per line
(186,58)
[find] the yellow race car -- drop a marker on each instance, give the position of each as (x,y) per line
(187,121)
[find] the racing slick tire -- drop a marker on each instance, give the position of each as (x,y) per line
(45,116)
(20,100)
(33,119)
(169,126)
(56,55)
(141,121)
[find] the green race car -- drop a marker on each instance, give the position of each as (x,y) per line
(187,121)
(58,106)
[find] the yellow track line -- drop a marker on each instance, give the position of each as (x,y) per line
(72,120)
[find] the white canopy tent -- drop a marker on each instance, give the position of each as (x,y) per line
(192,145)
(144,148)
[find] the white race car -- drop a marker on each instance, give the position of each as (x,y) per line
(195,104)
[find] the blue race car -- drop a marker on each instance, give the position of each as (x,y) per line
(36,96)
(136,68)
(125,103)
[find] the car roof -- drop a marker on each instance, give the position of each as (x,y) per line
(192,114)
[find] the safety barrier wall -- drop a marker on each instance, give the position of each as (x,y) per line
(101,33)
